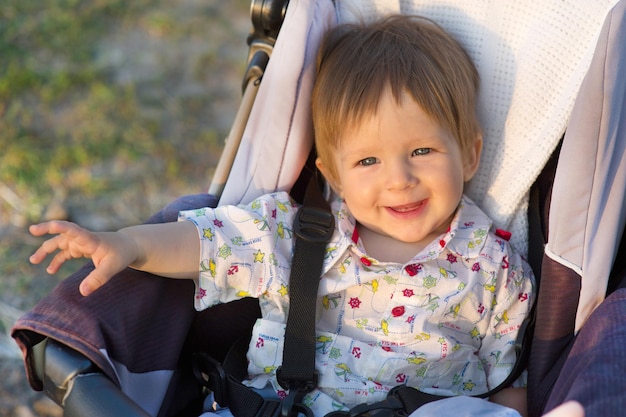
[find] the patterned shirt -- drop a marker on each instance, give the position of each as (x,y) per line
(445,322)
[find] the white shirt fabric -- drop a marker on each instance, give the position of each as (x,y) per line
(444,322)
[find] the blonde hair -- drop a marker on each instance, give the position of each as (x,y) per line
(357,62)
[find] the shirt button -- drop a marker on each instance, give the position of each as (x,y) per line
(397,311)
(413,269)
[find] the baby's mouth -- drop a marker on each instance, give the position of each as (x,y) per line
(408,207)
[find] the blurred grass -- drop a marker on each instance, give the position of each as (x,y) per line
(102,95)
(109,109)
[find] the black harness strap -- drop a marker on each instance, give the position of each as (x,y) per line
(313,228)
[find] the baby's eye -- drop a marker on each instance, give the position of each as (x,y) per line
(368,161)
(421,151)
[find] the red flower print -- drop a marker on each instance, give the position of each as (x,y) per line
(366,261)
(407,292)
(442,243)
(410,319)
(523,296)
(354,302)
(282,394)
(218,223)
(201,293)
(397,311)
(274,214)
(476,267)
(413,269)
(400,378)
(451,258)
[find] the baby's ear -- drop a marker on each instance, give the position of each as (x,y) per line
(330,179)
(472,158)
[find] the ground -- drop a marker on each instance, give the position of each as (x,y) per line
(108,110)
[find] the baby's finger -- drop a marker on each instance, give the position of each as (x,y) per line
(92,282)
(56,262)
(37,257)
(46,248)
(39,229)
(104,271)
(51,227)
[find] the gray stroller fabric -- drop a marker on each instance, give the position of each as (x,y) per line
(588,202)
(586,225)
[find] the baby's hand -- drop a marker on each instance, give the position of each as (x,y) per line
(71,241)
(110,252)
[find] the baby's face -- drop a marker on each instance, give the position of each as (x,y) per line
(400,173)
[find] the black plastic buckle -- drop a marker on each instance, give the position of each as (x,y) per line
(392,406)
(298,387)
(297,384)
(292,405)
(270,408)
(211,375)
(314,225)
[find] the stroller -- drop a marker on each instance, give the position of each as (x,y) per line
(552,106)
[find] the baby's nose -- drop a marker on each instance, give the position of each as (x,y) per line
(400,176)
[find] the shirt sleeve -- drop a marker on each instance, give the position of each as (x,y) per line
(511,304)
(245,251)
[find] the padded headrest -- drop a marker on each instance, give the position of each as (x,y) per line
(532,57)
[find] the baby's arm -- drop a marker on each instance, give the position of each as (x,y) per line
(168,249)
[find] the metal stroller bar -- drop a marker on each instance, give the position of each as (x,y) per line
(267,18)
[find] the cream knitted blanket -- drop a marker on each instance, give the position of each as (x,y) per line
(532,56)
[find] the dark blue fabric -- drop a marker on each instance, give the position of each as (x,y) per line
(146,322)
(594,373)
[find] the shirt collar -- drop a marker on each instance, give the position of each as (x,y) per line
(468,230)
(465,237)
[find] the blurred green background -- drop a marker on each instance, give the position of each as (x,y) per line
(94,93)
(109,109)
